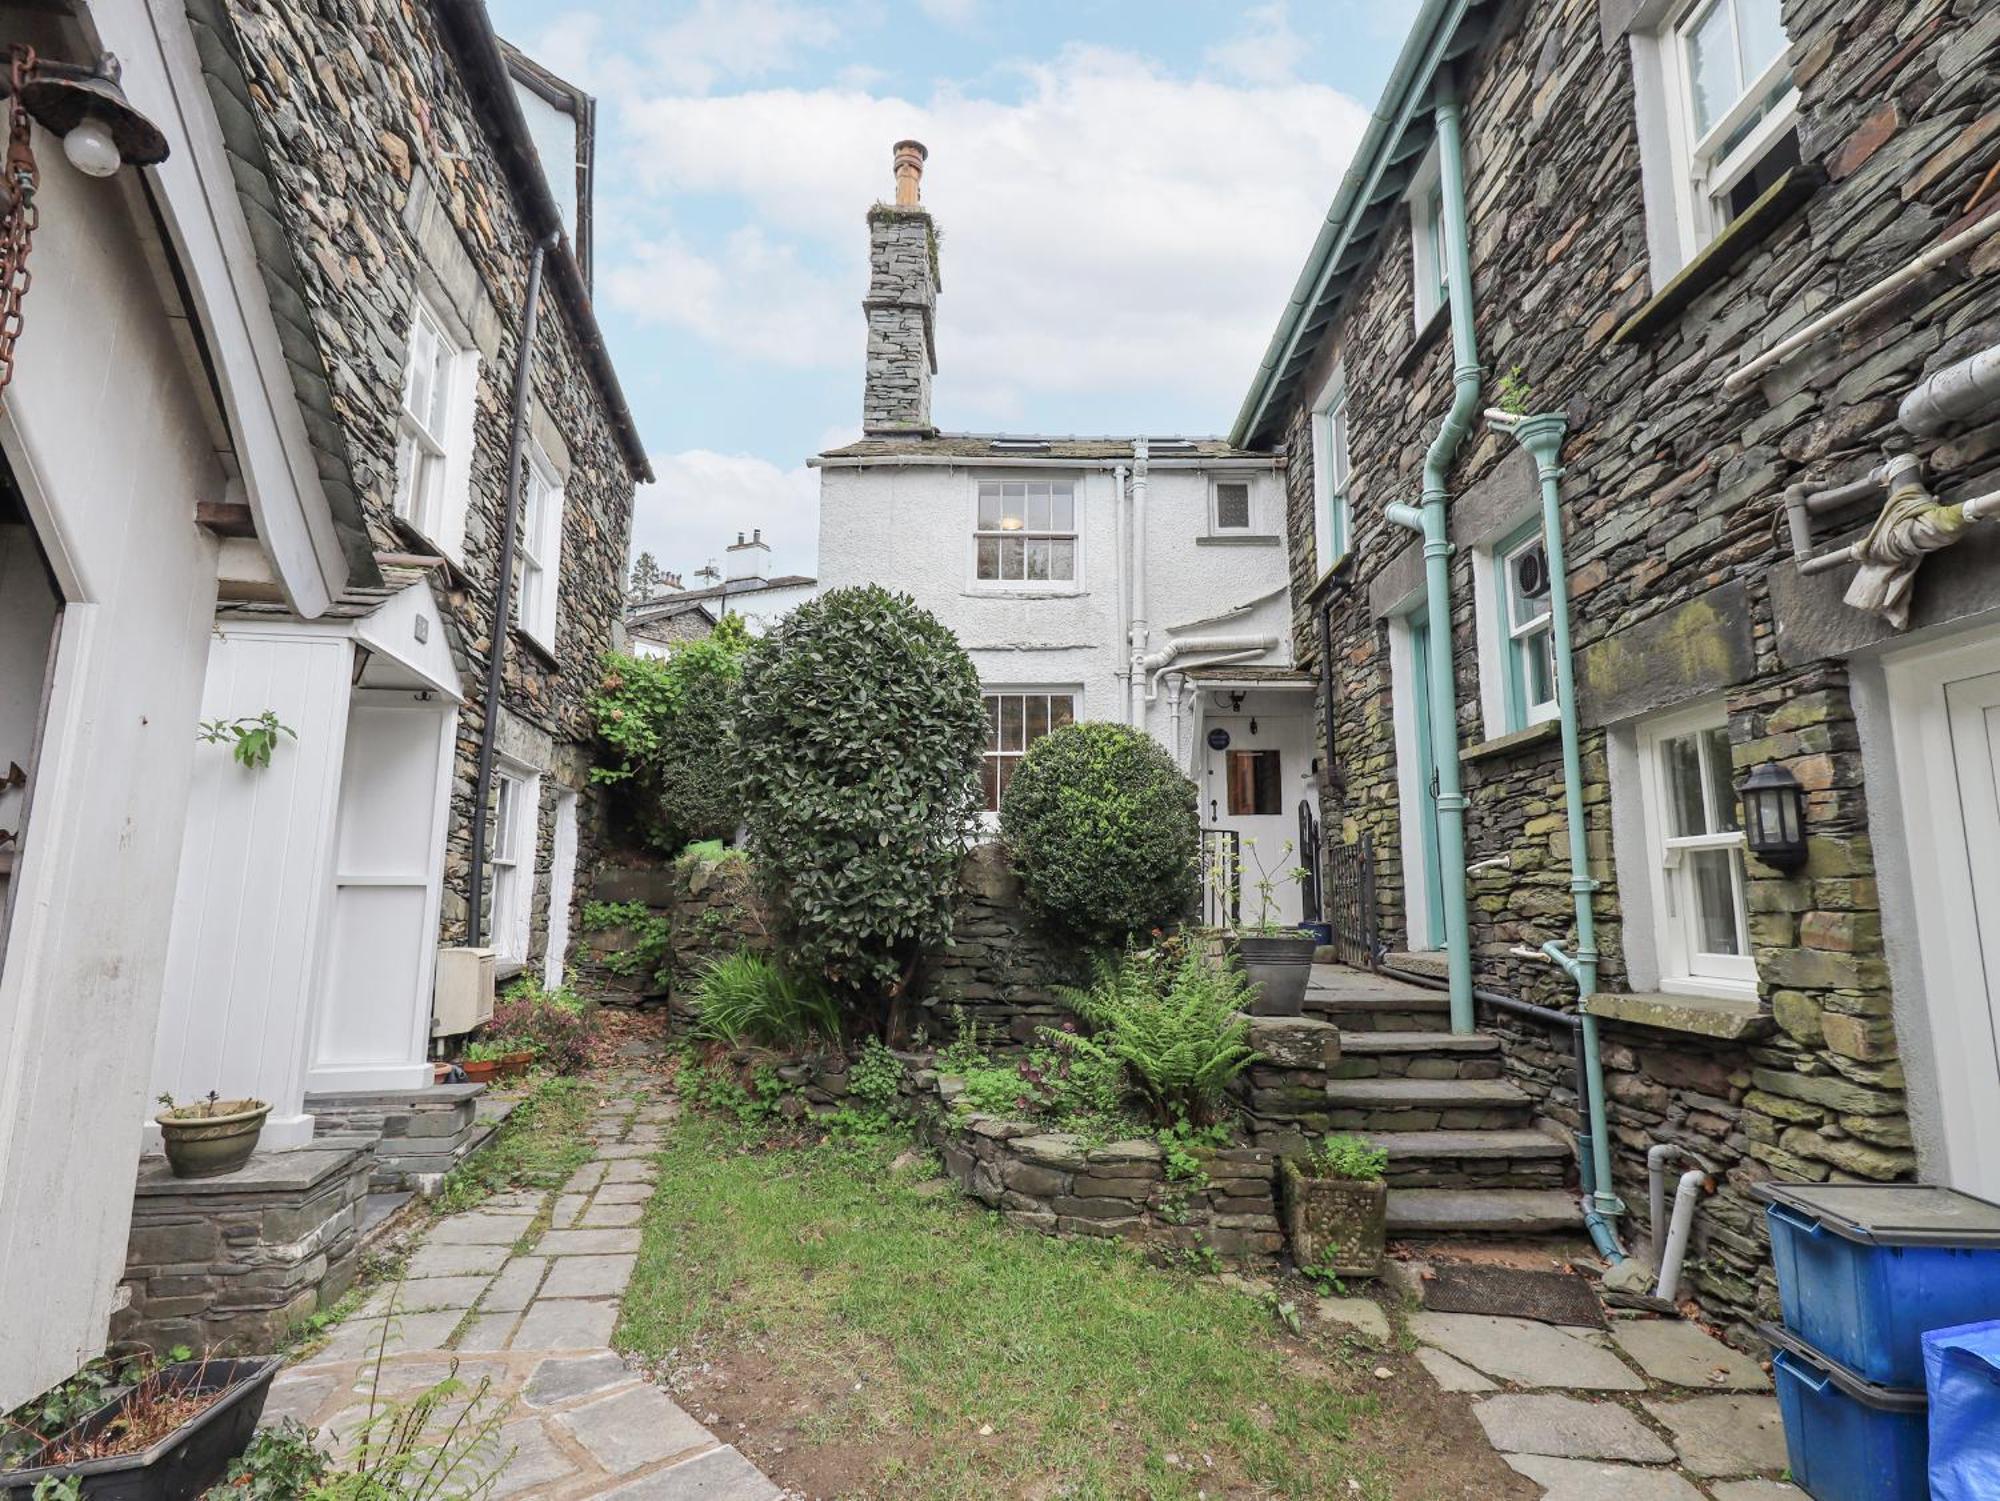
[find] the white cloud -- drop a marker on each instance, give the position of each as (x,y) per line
(950,12)
(702,499)
(719,39)
(1266,50)
(1114,228)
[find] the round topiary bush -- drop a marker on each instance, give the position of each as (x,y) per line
(1103,830)
(860,730)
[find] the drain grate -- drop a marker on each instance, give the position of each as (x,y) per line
(1551,1297)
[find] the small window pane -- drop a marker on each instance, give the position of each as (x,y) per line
(1760,34)
(1253,783)
(1013,734)
(1232,507)
(1038,508)
(1037,551)
(1714,878)
(993,724)
(1062,710)
(989,780)
(1014,492)
(1680,765)
(1062,507)
(1038,716)
(989,506)
(1062,561)
(1714,82)
(1538,671)
(1010,558)
(1523,607)
(989,557)
(1722,792)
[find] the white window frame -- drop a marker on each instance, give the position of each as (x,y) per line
(992,693)
(1333,473)
(1216,525)
(1686,182)
(1519,636)
(538,553)
(1428,267)
(1073,535)
(1683,968)
(439,446)
(513,829)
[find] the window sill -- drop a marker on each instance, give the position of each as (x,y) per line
(1341,570)
(1238,539)
(1731,1020)
(534,645)
(508,969)
(1744,233)
(1001,591)
(1506,745)
(1428,333)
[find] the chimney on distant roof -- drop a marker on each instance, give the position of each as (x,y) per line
(747,562)
(901,306)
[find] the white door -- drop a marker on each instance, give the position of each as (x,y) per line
(1252,784)
(562,888)
(1947,729)
(375,989)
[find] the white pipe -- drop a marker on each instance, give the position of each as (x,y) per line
(1246,654)
(1861,302)
(1136,640)
(1983,507)
(1028,460)
(1963,389)
(1180,646)
(1658,1155)
(1123,562)
(1685,1198)
(1174,721)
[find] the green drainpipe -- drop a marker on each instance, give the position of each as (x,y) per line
(1429,521)
(1542,436)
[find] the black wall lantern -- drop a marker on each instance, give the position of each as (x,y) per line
(1774,816)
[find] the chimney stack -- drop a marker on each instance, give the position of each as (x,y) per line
(747,562)
(901,306)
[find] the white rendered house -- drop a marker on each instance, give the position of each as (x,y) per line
(1142,581)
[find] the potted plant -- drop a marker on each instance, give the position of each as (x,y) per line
(480,1062)
(168,1437)
(209,1137)
(1277,956)
(1337,1207)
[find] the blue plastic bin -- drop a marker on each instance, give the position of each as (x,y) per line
(1865,1268)
(1847,1439)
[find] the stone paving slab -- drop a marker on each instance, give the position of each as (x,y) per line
(1363,1315)
(1588,1480)
(359,1339)
(634,1428)
(563,1379)
(425,1295)
(537,1458)
(611,1216)
(719,1475)
(587,1242)
(516,1284)
(1566,1428)
(1680,1354)
(480,1229)
(624,1193)
(488,1331)
(1758,1490)
(588,1276)
(631,1172)
(1724,1435)
(1525,1352)
(1452,1375)
(565,1324)
(455,1261)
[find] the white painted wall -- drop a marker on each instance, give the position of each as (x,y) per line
(911,527)
(102,429)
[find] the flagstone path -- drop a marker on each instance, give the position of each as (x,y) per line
(523,1291)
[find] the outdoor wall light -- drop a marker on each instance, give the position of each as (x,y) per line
(100,129)
(1774,816)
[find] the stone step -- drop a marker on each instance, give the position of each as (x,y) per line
(1426,1105)
(1413,1011)
(1418,1055)
(1481,1211)
(1473,1159)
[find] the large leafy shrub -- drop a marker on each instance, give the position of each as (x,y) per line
(744,997)
(1103,830)
(1177,1027)
(666,727)
(862,727)
(557,1026)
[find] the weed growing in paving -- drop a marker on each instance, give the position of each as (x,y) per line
(538,1146)
(971,1359)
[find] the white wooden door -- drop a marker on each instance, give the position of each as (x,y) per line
(375,995)
(562,888)
(1251,784)
(1972,709)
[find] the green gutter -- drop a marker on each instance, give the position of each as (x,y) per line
(1436,24)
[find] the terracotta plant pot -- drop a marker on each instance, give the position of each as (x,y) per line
(514,1065)
(1279,965)
(207,1146)
(1336,1224)
(482,1072)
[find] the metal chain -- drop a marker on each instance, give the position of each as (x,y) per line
(20,217)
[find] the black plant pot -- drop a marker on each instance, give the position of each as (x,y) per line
(184,1463)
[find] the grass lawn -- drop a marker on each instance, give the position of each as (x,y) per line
(877,1337)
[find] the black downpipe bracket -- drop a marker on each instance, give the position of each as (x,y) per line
(503,589)
(1545,1016)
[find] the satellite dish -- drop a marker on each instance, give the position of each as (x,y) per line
(1531,573)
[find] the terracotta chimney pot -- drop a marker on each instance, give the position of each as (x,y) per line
(909,159)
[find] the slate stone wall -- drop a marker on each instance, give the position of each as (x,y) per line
(997,971)
(901,308)
(1673,525)
(387,182)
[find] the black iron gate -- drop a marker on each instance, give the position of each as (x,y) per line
(1310,855)
(1348,898)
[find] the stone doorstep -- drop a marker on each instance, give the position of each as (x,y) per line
(1485,1211)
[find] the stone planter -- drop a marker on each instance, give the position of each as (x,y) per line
(1279,965)
(1335,1224)
(207,1146)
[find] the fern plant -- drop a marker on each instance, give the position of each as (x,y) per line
(745,998)
(1179,1033)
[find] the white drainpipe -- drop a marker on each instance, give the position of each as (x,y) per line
(1122,643)
(1136,640)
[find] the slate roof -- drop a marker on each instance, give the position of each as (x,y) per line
(681,600)
(1029,447)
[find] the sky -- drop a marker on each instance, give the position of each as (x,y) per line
(1125,191)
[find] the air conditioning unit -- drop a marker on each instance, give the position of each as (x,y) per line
(463,997)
